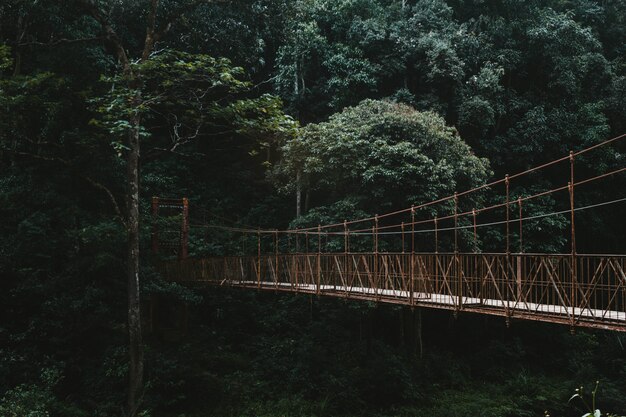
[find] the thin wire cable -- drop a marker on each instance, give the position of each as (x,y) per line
(236,223)
(545,165)
(309,229)
(496,223)
(503,204)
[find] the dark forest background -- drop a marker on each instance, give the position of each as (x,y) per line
(359,106)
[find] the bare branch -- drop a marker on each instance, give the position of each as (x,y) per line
(111,35)
(108,192)
(63,41)
(148,45)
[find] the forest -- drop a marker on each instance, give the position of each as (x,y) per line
(283,114)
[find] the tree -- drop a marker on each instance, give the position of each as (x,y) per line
(196,97)
(185,97)
(378,156)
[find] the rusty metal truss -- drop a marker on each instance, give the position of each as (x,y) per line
(589,292)
(574,289)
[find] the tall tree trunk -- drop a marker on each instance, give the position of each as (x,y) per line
(21,32)
(296,86)
(296,92)
(135,350)
(298,194)
(307,201)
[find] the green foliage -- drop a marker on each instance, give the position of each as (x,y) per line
(400,101)
(377,156)
(5,58)
(192,94)
(35,400)
(589,406)
(347,358)
(26,401)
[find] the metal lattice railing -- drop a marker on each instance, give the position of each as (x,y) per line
(574,289)
(589,293)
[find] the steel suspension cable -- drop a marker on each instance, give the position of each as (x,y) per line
(437,201)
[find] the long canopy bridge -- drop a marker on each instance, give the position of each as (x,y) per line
(430,255)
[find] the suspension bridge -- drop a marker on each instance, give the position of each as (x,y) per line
(431,254)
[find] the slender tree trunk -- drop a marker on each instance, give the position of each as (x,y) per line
(296,87)
(296,92)
(307,201)
(135,349)
(21,31)
(135,372)
(298,195)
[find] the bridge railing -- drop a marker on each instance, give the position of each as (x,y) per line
(586,290)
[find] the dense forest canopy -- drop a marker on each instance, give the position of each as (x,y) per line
(357,107)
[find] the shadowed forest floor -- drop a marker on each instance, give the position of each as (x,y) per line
(256,354)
